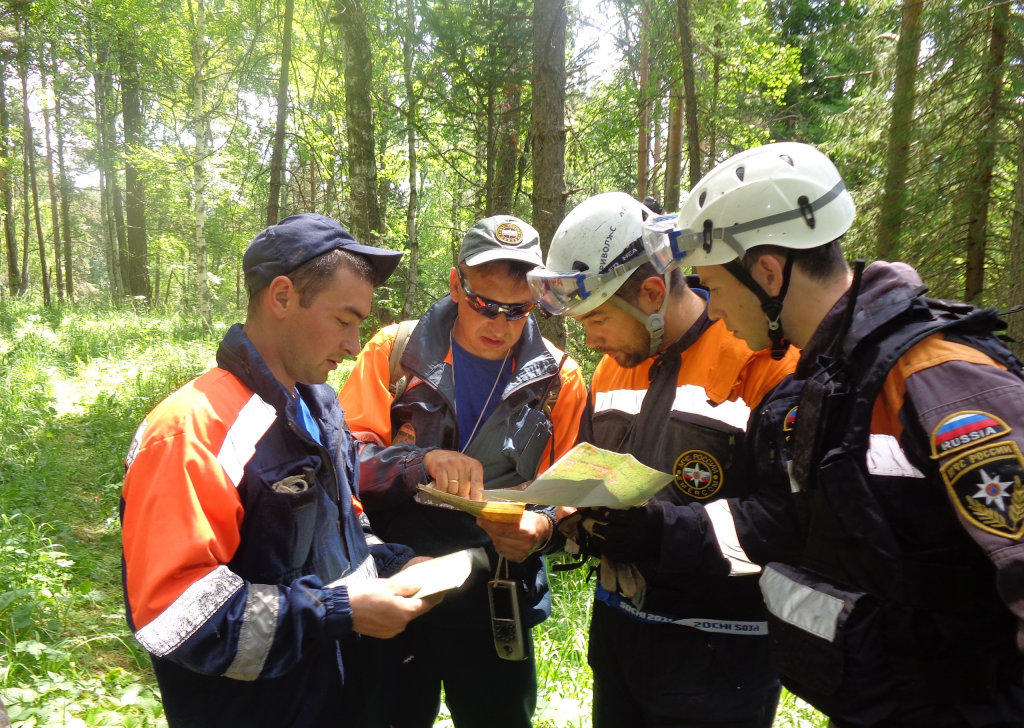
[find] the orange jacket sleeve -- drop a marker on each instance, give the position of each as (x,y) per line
(365,397)
(566,414)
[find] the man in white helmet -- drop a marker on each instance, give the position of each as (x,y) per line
(900,439)
(669,647)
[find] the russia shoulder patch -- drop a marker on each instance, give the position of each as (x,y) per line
(986,485)
(790,421)
(963,429)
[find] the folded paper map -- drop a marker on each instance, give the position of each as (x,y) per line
(443,573)
(588,476)
(499,511)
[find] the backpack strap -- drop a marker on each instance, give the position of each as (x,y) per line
(399,379)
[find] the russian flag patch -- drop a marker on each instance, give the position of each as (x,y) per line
(962,429)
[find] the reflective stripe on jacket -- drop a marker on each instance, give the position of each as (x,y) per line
(233,521)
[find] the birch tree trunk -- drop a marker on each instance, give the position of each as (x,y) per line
(65,187)
(277,157)
(978,190)
(30,164)
(199,162)
(901,130)
(357,58)
(6,188)
(52,188)
(689,91)
(137,246)
(549,23)
(413,263)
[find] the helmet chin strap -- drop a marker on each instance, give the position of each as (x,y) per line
(655,322)
(771,305)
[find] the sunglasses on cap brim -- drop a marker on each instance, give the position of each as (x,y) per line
(492,309)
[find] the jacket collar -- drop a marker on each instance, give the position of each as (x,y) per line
(237,355)
(430,343)
(684,342)
(883,287)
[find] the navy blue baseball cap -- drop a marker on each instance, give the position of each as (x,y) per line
(297,239)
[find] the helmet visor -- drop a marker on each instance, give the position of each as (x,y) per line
(557,292)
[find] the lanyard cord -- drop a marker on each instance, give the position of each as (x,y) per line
(493,387)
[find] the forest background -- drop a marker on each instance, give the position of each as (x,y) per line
(144,142)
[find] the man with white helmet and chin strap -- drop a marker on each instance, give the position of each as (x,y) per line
(900,439)
(669,647)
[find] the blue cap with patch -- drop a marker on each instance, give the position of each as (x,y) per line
(281,248)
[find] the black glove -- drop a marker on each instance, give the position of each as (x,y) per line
(632,534)
(579,540)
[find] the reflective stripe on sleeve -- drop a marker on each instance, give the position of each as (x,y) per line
(189,612)
(728,541)
(887,458)
(801,606)
(133,449)
(254,419)
(259,624)
(366,571)
(694,400)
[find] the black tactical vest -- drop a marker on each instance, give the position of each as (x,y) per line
(898,604)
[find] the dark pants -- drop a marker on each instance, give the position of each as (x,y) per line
(480,689)
(669,676)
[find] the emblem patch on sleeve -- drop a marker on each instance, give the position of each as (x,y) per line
(790,421)
(698,474)
(406,433)
(986,485)
(964,429)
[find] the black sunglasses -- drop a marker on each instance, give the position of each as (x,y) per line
(491,309)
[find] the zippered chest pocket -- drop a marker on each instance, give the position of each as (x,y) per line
(281,506)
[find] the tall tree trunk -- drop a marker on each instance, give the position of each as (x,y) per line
(689,91)
(901,130)
(52,187)
(357,57)
(65,187)
(277,157)
(674,152)
(30,158)
(1015,279)
(413,263)
(716,78)
(549,23)
(137,246)
(102,98)
(199,163)
(643,141)
(6,188)
(655,176)
(506,150)
(978,192)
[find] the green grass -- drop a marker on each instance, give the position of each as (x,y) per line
(74,385)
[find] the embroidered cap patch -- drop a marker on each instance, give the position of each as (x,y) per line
(964,429)
(986,485)
(508,233)
(698,474)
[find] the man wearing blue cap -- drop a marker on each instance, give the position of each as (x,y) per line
(248,572)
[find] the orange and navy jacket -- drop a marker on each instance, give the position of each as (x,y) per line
(513,445)
(685,412)
(234,521)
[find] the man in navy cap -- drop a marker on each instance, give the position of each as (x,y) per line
(248,569)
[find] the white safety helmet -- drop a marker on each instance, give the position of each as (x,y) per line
(593,252)
(788,194)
